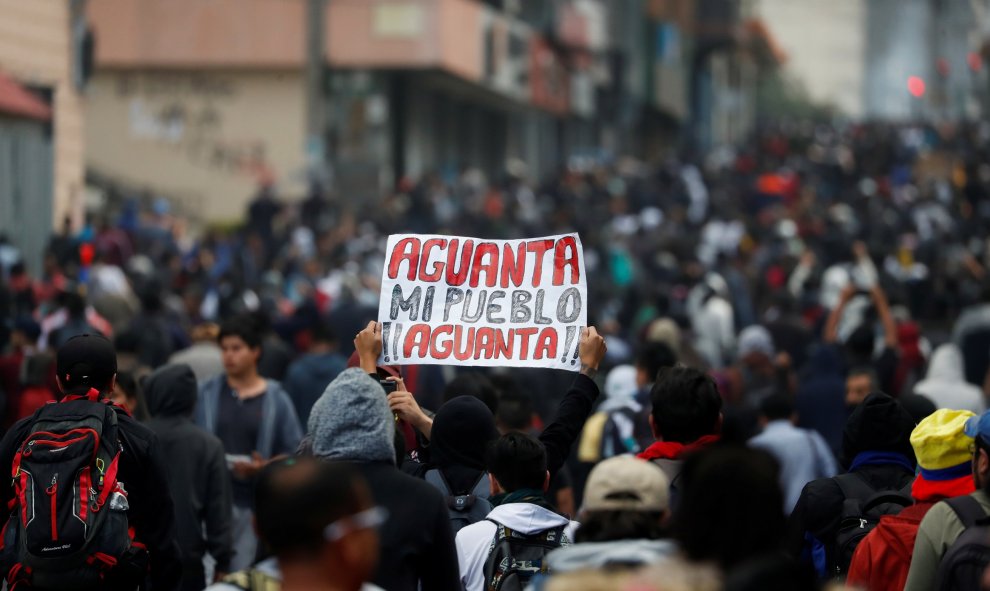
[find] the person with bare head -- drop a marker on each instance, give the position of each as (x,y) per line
(253,417)
(320,522)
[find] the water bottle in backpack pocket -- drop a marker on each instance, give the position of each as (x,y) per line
(464,509)
(861,512)
(968,557)
(68,527)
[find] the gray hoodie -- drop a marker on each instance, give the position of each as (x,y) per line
(946,383)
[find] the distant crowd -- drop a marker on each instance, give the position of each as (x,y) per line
(783,385)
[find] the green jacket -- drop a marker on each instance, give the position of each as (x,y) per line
(937,532)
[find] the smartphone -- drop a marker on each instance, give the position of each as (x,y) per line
(389,386)
(236,459)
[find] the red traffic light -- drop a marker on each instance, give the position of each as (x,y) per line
(916,86)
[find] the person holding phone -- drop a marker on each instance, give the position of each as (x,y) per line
(402,402)
(255,420)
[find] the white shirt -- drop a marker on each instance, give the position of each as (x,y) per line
(474,542)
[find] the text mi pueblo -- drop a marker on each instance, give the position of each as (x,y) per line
(470,299)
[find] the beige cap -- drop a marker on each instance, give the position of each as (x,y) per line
(626,483)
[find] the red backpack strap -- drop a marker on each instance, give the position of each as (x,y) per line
(109,482)
(119,407)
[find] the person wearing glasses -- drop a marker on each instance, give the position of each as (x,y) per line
(321,525)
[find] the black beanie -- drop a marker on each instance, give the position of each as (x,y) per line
(879,423)
(462,430)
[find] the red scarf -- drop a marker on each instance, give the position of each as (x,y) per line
(933,491)
(673,450)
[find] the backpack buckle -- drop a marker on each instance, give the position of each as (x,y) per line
(461,502)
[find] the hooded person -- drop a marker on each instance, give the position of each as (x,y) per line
(626,505)
(877,452)
(882,560)
(352,422)
(462,430)
(711,316)
(197,476)
(971,334)
(946,385)
(820,401)
(614,428)
(754,377)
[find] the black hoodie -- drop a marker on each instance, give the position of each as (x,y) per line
(879,425)
(197,471)
(464,426)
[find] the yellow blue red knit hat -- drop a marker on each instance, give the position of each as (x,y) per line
(942,447)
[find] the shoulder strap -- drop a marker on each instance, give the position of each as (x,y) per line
(854,486)
(436,479)
(968,509)
(239,579)
(481,489)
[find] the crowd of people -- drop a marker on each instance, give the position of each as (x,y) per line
(783,385)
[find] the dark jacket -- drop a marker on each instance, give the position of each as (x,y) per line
(462,430)
(878,427)
(821,397)
(143,471)
(197,474)
(417,544)
(308,377)
(275,358)
(819,509)
(462,458)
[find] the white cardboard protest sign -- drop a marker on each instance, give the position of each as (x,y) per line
(453,300)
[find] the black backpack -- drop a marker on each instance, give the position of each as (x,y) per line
(68,527)
(963,564)
(467,508)
(861,512)
(515,558)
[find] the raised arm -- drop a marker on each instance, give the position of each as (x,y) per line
(835,316)
(368,344)
(560,435)
(886,318)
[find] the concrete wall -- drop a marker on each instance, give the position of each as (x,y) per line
(203,138)
(35,45)
(442,34)
(825,43)
(198,33)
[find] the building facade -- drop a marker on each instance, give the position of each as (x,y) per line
(195,101)
(41,148)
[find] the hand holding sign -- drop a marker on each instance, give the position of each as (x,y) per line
(592,350)
(368,344)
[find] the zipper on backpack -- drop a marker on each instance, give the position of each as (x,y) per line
(52,490)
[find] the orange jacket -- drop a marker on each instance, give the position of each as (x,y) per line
(882,559)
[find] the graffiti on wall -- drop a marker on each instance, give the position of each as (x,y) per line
(187,113)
